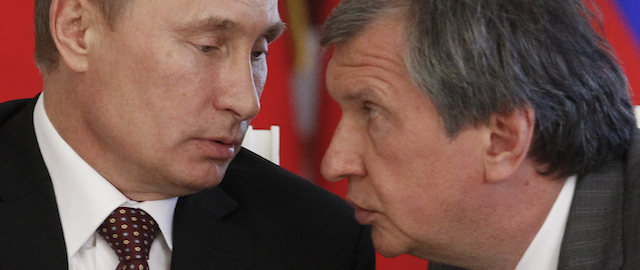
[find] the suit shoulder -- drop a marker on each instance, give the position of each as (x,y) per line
(290,215)
(251,177)
(11,108)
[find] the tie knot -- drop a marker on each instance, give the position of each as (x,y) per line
(130,232)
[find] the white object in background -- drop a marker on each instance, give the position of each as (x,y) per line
(264,142)
(636,110)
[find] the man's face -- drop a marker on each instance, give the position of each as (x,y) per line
(411,182)
(172,88)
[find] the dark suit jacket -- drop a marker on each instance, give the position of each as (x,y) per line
(603,229)
(259,217)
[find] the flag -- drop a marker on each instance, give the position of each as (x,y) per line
(622,30)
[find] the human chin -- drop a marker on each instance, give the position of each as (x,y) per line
(195,179)
(388,242)
(187,187)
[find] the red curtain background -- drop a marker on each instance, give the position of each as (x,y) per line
(302,148)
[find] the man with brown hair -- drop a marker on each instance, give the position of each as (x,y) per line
(144,108)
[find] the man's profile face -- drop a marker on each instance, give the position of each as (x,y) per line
(174,86)
(407,178)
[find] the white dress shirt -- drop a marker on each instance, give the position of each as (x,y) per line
(544,251)
(85,199)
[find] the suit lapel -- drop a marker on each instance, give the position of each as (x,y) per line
(631,221)
(209,233)
(593,236)
(30,229)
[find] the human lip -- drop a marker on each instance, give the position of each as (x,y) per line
(219,148)
(363,215)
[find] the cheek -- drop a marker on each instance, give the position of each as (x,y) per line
(397,188)
(413,186)
(260,70)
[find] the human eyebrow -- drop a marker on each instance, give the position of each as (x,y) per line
(359,95)
(274,31)
(216,24)
(212,24)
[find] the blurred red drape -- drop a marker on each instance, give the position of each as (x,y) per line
(19,77)
(277,99)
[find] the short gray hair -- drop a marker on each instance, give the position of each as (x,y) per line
(475,58)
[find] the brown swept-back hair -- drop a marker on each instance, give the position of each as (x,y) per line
(46,53)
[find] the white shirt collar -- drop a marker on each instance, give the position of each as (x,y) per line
(84,197)
(544,251)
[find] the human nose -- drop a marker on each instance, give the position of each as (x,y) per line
(240,94)
(343,158)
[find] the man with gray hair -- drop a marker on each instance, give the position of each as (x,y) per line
(485,134)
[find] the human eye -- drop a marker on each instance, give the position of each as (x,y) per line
(257,55)
(260,49)
(370,109)
(207,43)
(206,48)
(371,112)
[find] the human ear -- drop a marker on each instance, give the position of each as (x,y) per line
(510,140)
(70,21)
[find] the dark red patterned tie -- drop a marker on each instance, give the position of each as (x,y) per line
(130,232)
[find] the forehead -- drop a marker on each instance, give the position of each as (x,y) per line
(236,15)
(376,54)
(382,39)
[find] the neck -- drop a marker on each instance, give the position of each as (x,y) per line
(507,216)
